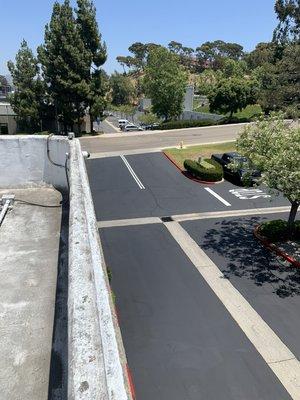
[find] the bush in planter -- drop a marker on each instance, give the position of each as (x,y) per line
(274,230)
(211,173)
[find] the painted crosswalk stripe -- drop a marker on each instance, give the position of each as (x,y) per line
(218,197)
(133,174)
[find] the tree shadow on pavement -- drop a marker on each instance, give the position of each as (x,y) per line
(246,257)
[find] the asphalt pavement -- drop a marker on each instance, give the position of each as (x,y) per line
(179,339)
(157,140)
(166,190)
(182,342)
(270,285)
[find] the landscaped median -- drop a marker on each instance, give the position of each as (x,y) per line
(275,236)
(204,169)
(195,163)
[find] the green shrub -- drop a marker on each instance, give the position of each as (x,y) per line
(186,124)
(205,174)
(109,274)
(274,230)
(236,120)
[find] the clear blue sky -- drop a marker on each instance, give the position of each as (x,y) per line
(190,22)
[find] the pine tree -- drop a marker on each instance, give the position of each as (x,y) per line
(27,100)
(91,37)
(66,65)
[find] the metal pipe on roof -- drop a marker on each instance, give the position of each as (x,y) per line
(7,201)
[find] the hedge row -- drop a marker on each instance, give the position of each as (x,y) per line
(205,122)
(276,230)
(205,174)
(186,124)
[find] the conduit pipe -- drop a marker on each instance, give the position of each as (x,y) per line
(7,201)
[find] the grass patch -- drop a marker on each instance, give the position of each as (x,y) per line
(194,152)
(249,112)
(199,108)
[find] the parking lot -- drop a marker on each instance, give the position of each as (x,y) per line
(148,185)
(182,337)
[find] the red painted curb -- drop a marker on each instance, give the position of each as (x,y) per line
(131,384)
(271,246)
(185,172)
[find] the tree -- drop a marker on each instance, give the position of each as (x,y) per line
(149,118)
(165,83)
(139,51)
(274,147)
(91,37)
(231,95)
(138,60)
(207,80)
(213,54)
(264,53)
(27,100)
(234,68)
(66,65)
(123,90)
(279,84)
(288,14)
(175,47)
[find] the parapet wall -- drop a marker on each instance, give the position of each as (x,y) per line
(24,161)
(96,368)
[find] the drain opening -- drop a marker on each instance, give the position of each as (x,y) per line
(167,219)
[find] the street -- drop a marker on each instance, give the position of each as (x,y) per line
(204,310)
(127,142)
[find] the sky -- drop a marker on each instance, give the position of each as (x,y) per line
(122,23)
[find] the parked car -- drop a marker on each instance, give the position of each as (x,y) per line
(245,173)
(150,127)
(122,123)
(132,128)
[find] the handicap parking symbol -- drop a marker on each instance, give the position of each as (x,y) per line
(249,194)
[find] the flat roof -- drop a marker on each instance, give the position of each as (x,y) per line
(29,250)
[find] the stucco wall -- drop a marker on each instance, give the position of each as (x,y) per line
(24,161)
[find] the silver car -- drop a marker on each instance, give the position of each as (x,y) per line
(132,128)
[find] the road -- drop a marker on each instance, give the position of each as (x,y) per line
(205,312)
(150,140)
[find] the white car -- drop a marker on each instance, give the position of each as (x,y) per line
(122,123)
(132,128)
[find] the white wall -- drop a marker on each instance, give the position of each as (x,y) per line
(24,161)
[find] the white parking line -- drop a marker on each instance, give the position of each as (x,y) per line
(218,197)
(135,177)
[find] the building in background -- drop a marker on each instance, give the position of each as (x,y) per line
(8,125)
(188,102)
(5,87)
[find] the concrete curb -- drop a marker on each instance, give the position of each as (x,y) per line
(272,247)
(187,176)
